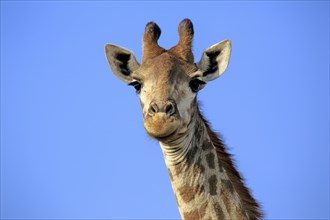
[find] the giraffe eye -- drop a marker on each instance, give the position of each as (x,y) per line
(137,86)
(196,85)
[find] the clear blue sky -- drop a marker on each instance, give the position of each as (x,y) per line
(72,139)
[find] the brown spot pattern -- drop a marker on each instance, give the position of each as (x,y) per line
(207,145)
(218,211)
(200,165)
(187,193)
(197,170)
(225,198)
(213,185)
(200,190)
(251,207)
(220,167)
(178,170)
(202,210)
(171,175)
(228,185)
(196,214)
(239,214)
(191,215)
(191,155)
(210,160)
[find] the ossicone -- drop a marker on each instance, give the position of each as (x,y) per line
(184,47)
(150,38)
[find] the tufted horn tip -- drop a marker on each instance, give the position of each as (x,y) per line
(152,31)
(186,28)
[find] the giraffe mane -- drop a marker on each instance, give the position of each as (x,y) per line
(251,206)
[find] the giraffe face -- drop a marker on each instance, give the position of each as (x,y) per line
(167,87)
(167,81)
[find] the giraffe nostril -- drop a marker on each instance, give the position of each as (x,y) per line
(169,109)
(153,109)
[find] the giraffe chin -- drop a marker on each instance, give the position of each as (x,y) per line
(160,126)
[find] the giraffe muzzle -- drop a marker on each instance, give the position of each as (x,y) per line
(167,107)
(162,119)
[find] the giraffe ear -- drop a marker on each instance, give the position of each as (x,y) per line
(122,62)
(215,60)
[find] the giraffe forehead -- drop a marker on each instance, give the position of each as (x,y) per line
(166,69)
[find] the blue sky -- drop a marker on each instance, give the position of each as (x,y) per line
(72,140)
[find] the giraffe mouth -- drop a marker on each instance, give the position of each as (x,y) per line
(160,126)
(160,137)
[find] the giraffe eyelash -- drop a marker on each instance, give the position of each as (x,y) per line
(137,86)
(196,85)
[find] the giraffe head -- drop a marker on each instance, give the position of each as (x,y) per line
(167,81)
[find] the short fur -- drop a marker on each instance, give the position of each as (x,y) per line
(204,179)
(252,207)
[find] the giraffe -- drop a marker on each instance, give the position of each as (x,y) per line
(204,179)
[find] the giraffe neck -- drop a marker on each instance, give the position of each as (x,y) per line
(203,177)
